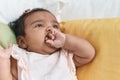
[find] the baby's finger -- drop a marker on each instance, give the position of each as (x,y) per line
(50,42)
(52,36)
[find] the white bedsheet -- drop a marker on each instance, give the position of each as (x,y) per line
(63,9)
(91,9)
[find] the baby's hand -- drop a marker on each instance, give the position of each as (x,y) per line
(5,53)
(55,38)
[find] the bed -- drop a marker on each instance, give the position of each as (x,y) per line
(94,20)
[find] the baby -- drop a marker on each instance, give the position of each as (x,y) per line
(43,51)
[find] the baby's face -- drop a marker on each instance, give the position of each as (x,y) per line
(38,26)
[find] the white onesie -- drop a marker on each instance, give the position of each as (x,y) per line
(34,66)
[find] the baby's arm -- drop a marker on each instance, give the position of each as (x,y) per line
(83,51)
(5,71)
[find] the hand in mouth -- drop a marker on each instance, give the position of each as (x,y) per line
(50,37)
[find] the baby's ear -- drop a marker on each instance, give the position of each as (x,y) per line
(21,42)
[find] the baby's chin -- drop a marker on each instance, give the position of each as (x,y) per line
(50,49)
(54,51)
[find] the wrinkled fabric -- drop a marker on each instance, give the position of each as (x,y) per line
(34,66)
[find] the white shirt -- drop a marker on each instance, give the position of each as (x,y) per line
(35,66)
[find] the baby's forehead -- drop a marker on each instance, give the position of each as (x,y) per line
(40,15)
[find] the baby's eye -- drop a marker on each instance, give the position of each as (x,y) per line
(38,25)
(55,26)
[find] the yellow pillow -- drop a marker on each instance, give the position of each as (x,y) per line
(104,35)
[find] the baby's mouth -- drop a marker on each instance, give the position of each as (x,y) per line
(49,36)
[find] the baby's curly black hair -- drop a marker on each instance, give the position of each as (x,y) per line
(18,25)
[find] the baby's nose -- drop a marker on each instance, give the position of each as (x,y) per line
(49,30)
